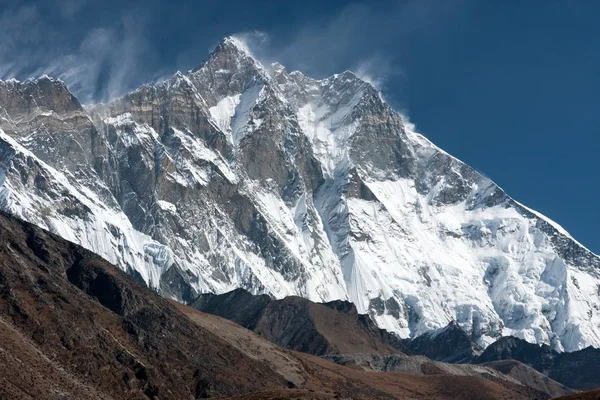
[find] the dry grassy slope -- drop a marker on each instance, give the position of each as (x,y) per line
(504,372)
(320,379)
(529,376)
(346,333)
(338,333)
(73,326)
(589,395)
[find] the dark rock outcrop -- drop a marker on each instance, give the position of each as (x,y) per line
(450,344)
(577,370)
(299,324)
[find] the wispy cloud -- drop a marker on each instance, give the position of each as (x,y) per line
(103,65)
(377,71)
(100,58)
(100,66)
(369,38)
(252,40)
(18,27)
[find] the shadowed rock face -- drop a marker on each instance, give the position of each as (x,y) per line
(577,370)
(45,117)
(299,324)
(172,104)
(450,344)
(539,357)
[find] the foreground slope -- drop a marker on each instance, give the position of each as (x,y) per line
(426,379)
(74,327)
(589,395)
(73,324)
(238,174)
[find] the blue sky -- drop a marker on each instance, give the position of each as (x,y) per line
(510,87)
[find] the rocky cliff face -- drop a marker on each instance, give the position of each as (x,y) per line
(238,174)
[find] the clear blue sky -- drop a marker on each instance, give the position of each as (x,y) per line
(510,87)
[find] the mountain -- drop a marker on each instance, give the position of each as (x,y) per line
(510,355)
(539,357)
(72,326)
(241,175)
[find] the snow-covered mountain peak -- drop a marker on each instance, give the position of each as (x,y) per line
(232,42)
(230,54)
(31,81)
(278,68)
(237,175)
(43,92)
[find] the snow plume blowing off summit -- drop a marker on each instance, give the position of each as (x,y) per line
(239,174)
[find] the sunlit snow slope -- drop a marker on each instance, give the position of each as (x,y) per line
(243,175)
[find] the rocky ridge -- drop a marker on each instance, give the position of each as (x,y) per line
(335,331)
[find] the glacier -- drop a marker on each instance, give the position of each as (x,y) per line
(239,174)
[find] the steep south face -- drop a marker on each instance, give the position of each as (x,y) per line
(241,175)
(213,200)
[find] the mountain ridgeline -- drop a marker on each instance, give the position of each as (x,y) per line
(241,175)
(337,332)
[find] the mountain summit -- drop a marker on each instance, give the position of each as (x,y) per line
(240,175)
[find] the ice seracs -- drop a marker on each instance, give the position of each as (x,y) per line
(236,175)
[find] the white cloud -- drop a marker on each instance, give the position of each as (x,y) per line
(408,124)
(367,38)
(112,59)
(251,40)
(101,66)
(377,71)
